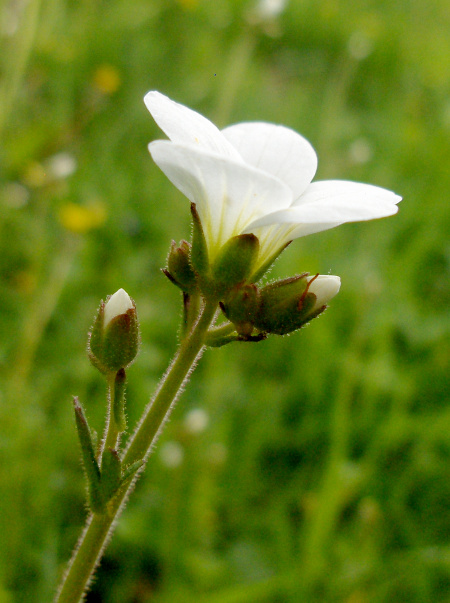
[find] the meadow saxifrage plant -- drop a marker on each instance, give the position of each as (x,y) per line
(251,193)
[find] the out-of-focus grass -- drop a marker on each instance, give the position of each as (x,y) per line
(323,471)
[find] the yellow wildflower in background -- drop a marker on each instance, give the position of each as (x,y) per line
(82,218)
(107,79)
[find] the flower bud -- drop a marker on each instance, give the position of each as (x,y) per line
(179,268)
(235,261)
(241,306)
(289,304)
(116,305)
(324,287)
(114,340)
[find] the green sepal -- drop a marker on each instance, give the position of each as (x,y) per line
(96,334)
(111,473)
(285,289)
(179,268)
(241,306)
(98,365)
(121,341)
(285,306)
(235,261)
(119,400)
(199,249)
(95,340)
(92,470)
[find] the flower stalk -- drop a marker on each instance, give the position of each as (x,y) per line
(100,526)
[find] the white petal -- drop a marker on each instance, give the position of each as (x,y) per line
(328,204)
(324,287)
(336,201)
(277,150)
(281,233)
(183,125)
(327,190)
(228,194)
(273,238)
(119,303)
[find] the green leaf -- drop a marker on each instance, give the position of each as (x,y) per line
(92,470)
(130,471)
(111,473)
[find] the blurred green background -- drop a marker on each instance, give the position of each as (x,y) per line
(314,467)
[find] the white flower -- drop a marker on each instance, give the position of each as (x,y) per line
(255,177)
(172,454)
(62,165)
(196,420)
(324,287)
(119,303)
(268,9)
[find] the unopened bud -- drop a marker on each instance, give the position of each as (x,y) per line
(289,304)
(117,304)
(324,287)
(235,261)
(179,268)
(241,306)
(114,340)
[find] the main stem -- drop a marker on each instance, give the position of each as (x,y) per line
(99,528)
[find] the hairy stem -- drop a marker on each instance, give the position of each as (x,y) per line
(111,431)
(99,528)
